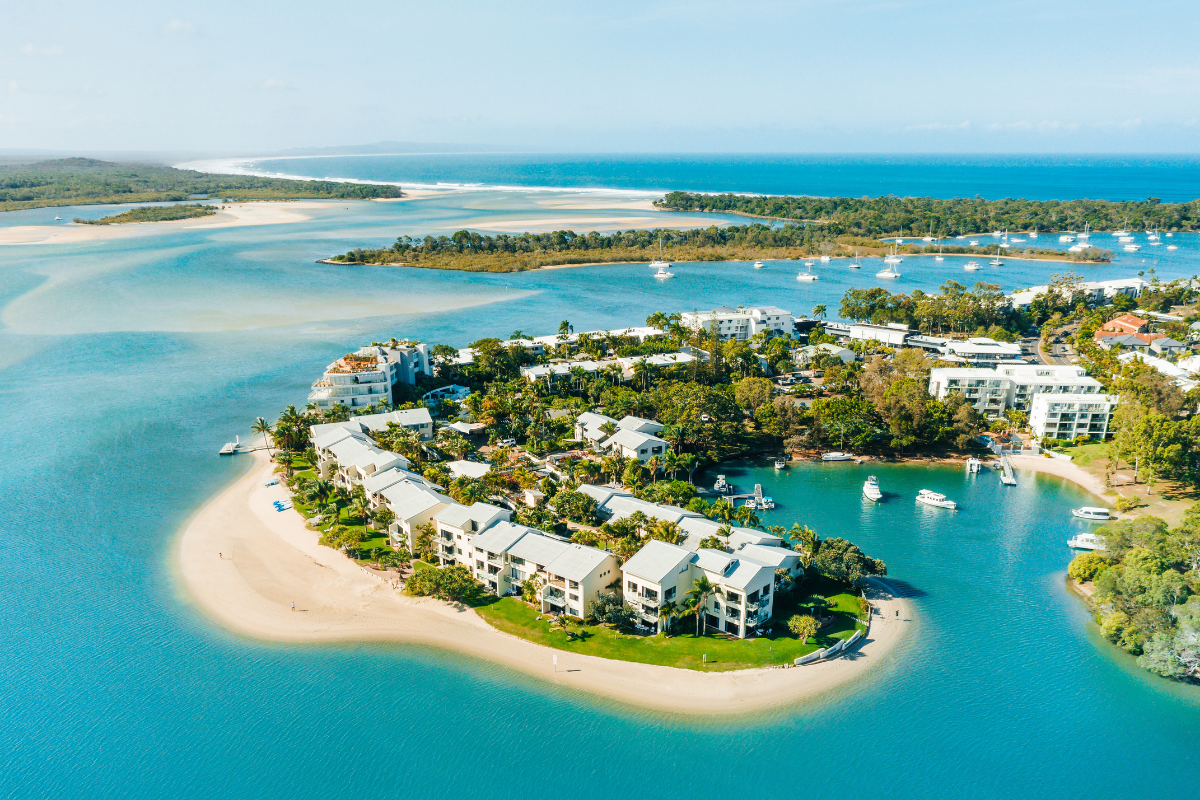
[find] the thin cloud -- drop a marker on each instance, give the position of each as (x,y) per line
(273,85)
(53,51)
(178,27)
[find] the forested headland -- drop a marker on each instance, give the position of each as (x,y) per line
(921,216)
(475,252)
(153,214)
(88,181)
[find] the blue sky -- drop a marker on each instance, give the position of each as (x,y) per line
(832,76)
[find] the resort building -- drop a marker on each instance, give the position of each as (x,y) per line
(739,323)
(1067,416)
(368,376)
(1180,374)
(803,356)
(562,370)
(662,572)
(993,391)
(1096,293)
(640,425)
(654,361)
(632,444)
(981,350)
(468,469)
(588,427)
(360,466)
(575,578)
(416,419)
(892,334)
(413,505)
(458,525)
(1126,323)
(452,393)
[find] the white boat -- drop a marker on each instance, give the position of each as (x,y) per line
(974,243)
(855,264)
(806,276)
(887,272)
(996,262)
(721,486)
(1034,234)
(1122,231)
(1132,248)
(663,272)
(1018,240)
(758,265)
(997,234)
(893,259)
(780,463)
(871,489)
(1066,238)
(973,464)
(971,266)
(939,258)
(1092,512)
(56,219)
(1086,541)
(824,259)
(658,263)
(1172,246)
(809,263)
(837,456)
(1087,231)
(935,499)
(1124,239)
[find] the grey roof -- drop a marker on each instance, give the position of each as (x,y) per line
(537,548)
(633,440)
(749,575)
(380,459)
(408,499)
(577,561)
(621,506)
(774,557)
(601,494)
(631,423)
(657,561)
(326,427)
(407,416)
(347,449)
(716,561)
(500,537)
(330,438)
(458,516)
(383,479)
(746,536)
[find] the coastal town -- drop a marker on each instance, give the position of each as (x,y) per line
(534,478)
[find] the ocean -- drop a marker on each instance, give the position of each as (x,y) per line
(124,365)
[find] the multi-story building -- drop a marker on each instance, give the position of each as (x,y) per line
(992,391)
(1067,416)
(412,504)
(632,444)
(458,525)
(738,323)
(367,376)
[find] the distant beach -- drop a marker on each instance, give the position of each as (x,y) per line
(268,560)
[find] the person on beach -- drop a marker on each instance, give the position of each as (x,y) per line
(293,606)
(222,555)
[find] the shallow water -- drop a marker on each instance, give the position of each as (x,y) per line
(127,363)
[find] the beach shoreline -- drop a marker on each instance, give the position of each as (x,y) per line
(243,564)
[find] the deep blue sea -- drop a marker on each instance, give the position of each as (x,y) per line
(1048,177)
(125,363)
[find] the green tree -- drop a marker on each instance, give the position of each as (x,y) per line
(701,590)
(803,626)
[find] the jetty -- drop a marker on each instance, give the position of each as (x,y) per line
(1007,477)
(238,446)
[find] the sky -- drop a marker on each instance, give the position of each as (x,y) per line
(240,78)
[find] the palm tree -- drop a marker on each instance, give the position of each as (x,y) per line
(746,516)
(360,508)
(819,311)
(701,590)
(722,509)
(654,464)
(285,459)
(261,426)
(690,462)
(667,611)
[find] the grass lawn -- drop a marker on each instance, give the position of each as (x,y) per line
(684,649)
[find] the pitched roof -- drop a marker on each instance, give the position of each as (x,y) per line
(716,561)
(500,537)
(471,469)
(408,499)
(458,516)
(537,548)
(774,557)
(657,561)
(749,575)
(632,440)
(577,562)
(631,423)
(404,417)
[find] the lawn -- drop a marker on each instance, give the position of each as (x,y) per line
(372,539)
(684,649)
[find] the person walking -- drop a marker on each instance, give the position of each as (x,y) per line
(293,606)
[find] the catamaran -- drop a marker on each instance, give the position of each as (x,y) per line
(935,499)
(871,489)
(1092,512)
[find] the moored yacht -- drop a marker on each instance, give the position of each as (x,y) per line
(1092,512)
(971,266)
(871,489)
(935,499)
(663,272)
(887,272)
(758,265)
(1086,541)
(837,456)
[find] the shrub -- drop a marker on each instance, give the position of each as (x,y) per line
(1086,566)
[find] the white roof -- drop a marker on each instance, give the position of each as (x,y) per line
(326,427)
(601,494)
(537,548)
(467,428)
(657,561)
(620,506)
(377,459)
(408,499)
(481,514)
(469,469)
(591,422)
(327,438)
(404,417)
(347,449)
(631,423)
(749,576)
(500,537)
(385,478)
(774,557)
(577,561)
(742,537)
(633,440)
(715,561)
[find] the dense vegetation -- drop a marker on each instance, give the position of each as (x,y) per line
(983,310)
(1145,594)
(87,181)
(153,214)
(475,252)
(881,216)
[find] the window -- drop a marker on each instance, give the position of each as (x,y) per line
(669,593)
(633,587)
(516,560)
(573,584)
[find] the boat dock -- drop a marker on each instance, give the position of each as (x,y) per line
(1006,471)
(238,446)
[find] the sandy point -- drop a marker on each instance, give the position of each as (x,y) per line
(245,564)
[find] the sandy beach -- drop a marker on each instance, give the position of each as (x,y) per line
(235,215)
(1063,469)
(245,564)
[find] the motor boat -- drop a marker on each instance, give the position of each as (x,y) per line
(1172,246)
(974,243)
(1086,541)
(837,456)
(780,463)
(663,272)
(1093,513)
(1125,239)
(1065,238)
(971,266)
(997,234)
(58,219)
(973,465)
(824,259)
(1132,248)
(758,265)
(1017,240)
(721,486)
(806,276)
(871,489)
(935,499)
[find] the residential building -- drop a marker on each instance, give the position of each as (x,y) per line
(982,350)
(560,370)
(416,419)
(653,361)
(574,578)
(368,376)
(1168,347)
(1067,416)
(660,572)
(458,525)
(1126,323)
(1180,374)
(803,356)
(640,425)
(992,391)
(739,323)
(361,465)
(452,393)
(589,425)
(632,444)
(413,504)
(1140,342)
(468,469)
(893,334)
(1095,292)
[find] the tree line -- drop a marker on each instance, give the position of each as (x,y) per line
(881,216)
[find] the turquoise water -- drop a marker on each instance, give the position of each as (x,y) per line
(1034,177)
(125,364)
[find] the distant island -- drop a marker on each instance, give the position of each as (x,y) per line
(88,181)
(921,216)
(474,252)
(153,214)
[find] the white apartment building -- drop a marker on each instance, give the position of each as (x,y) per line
(367,376)
(993,391)
(662,572)
(458,525)
(413,504)
(892,334)
(1095,292)
(632,444)
(1066,416)
(739,323)
(982,350)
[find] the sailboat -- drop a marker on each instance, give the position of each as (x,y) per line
(658,263)
(57,219)
(1034,234)
(889,271)
(996,262)
(807,275)
(893,258)
(1122,231)
(929,238)
(939,256)
(855,265)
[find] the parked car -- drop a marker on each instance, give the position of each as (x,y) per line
(506,443)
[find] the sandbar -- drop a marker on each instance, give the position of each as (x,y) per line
(269,560)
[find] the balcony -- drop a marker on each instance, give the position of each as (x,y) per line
(492,558)
(559,582)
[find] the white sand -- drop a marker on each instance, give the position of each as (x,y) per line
(1063,469)
(586,223)
(271,560)
(232,216)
